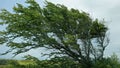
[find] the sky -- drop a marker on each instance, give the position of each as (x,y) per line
(108,10)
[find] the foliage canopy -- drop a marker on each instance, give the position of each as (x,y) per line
(69,31)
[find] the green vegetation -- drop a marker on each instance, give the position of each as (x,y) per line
(79,40)
(59,62)
(53,63)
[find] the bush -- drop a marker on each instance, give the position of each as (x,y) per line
(3,62)
(13,62)
(110,62)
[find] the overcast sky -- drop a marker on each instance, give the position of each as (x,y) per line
(108,10)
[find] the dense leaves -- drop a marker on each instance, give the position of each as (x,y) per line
(69,31)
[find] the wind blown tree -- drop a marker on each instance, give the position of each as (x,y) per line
(70,32)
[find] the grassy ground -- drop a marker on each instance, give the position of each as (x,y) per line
(53,63)
(26,62)
(6,66)
(18,63)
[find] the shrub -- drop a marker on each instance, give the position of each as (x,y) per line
(3,62)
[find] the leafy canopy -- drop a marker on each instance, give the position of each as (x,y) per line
(69,31)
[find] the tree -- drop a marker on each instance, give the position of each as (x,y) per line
(69,31)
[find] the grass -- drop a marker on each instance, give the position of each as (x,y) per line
(19,64)
(26,62)
(6,66)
